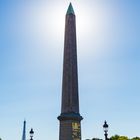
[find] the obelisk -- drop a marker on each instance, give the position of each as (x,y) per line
(70,118)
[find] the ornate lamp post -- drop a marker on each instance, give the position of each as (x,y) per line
(105,127)
(31,134)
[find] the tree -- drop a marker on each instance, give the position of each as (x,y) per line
(123,138)
(117,137)
(136,138)
(96,139)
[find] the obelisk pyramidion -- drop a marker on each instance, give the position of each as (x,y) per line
(70,118)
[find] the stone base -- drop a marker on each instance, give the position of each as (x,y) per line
(70,127)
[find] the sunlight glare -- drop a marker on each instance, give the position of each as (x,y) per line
(50,23)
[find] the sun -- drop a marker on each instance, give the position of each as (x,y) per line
(49,18)
(49,22)
(55,19)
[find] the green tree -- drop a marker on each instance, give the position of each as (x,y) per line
(123,138)
(135,138)
(96,139)
(117,137)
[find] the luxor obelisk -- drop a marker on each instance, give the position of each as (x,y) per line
(70,118)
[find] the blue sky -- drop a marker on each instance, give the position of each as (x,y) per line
(31,56)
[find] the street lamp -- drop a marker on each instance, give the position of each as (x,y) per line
(105,127)
(31,134)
